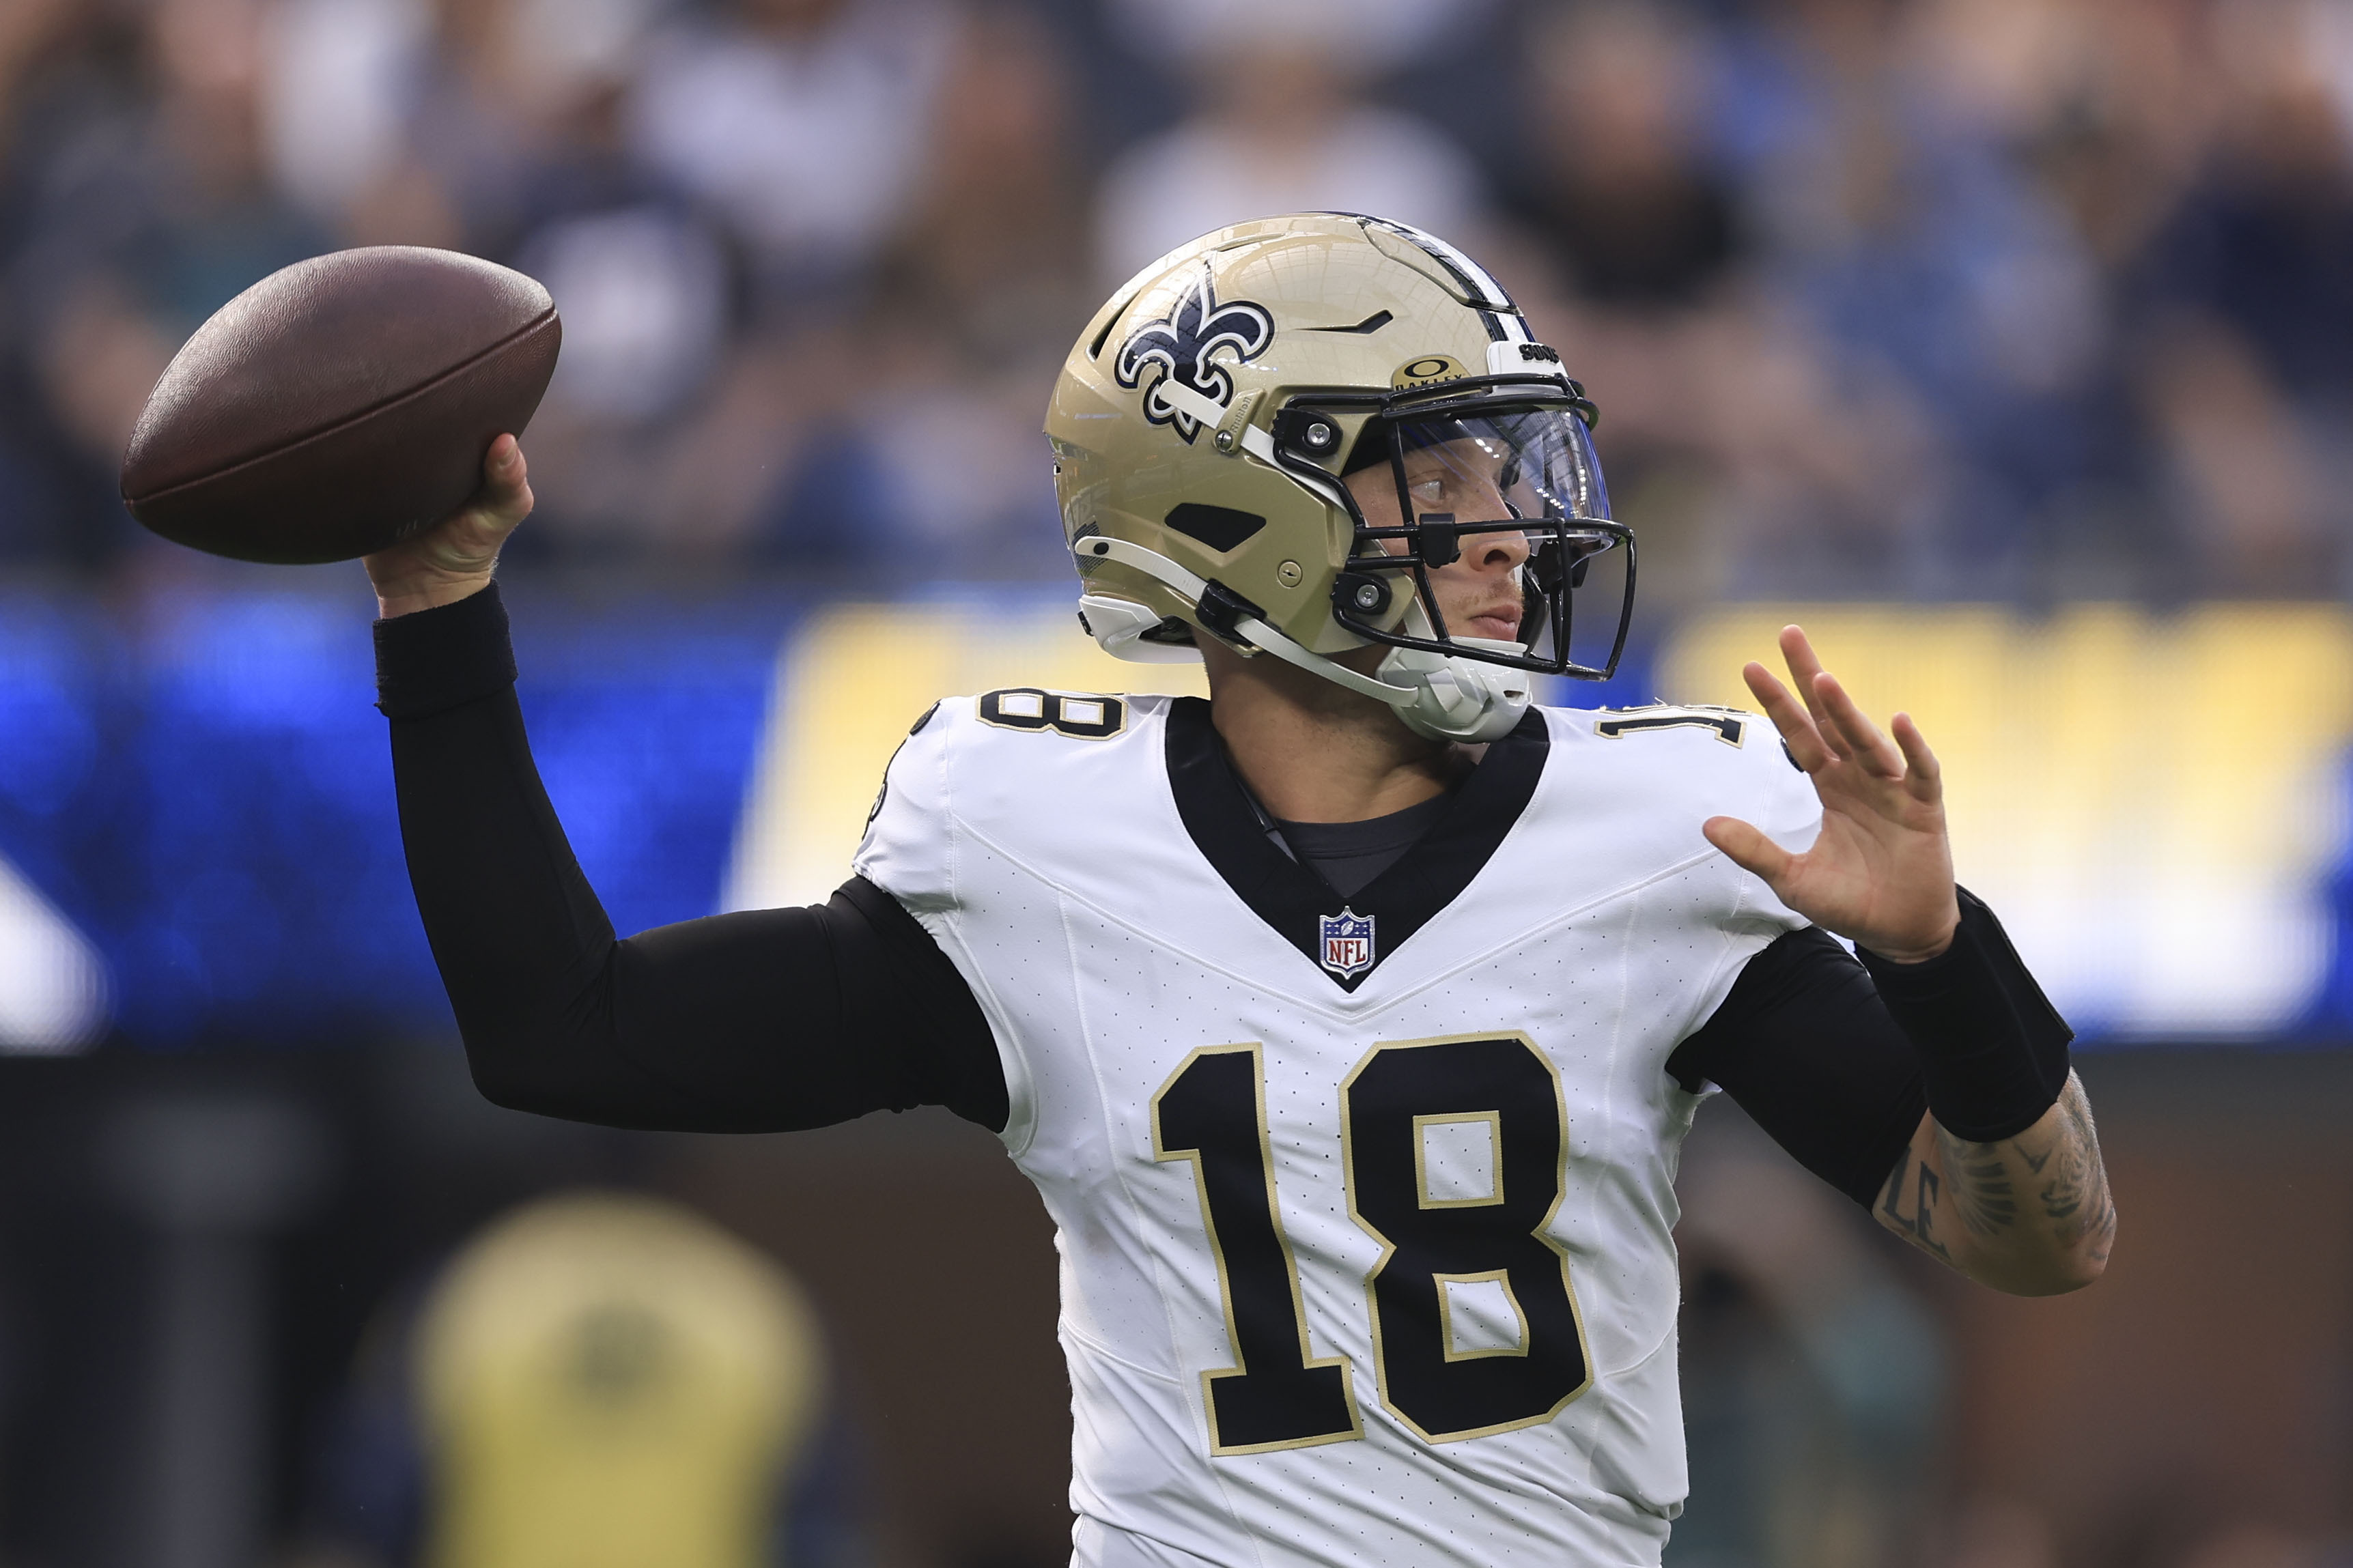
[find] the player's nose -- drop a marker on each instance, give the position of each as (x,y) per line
(1506,551)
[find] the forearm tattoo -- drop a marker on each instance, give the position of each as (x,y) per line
(1987,1189)
(1914,1183)
(2075,1196)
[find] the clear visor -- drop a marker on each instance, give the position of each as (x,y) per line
(1498,489)
(1500,468)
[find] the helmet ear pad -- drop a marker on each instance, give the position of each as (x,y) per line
(1127,629)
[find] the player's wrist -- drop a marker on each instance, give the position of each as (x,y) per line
(407,595)
(1926,953)
(450,656)
(1993,1051)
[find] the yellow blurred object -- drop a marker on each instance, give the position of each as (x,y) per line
(610,1381)
(2151,801)
(847,689)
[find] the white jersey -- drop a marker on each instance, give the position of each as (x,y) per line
(1364,1207)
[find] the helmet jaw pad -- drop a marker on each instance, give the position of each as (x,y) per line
(1435,696)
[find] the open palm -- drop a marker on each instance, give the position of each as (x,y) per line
(1881,874)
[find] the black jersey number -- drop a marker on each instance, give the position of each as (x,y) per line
(1443,1243)
(1730,724)
(1065,713)
(1444,1237)
(1213,1112)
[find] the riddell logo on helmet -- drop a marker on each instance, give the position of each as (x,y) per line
(1426,371)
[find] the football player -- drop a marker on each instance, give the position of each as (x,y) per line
(1349,1022)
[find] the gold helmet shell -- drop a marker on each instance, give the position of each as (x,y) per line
(1204,420)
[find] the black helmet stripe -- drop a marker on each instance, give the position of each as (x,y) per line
(1489,295)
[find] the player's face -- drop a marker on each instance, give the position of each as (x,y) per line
(1478,595)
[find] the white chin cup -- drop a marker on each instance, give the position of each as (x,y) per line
(1464,700)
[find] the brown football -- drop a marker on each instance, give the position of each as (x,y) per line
(339,405)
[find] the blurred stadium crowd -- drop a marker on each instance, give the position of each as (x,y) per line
(1949,298)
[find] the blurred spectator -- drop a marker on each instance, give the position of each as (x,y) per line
(2264,241)
(594,1380)
(978,300)
(645,279)
(905,435)
(1636,249)
(2007,297)
(142,203)
(2237,475)
(1897,226)
(1755,452)
(37,53)
(1283,126)
(2106,103)
(2246,360)
(344,78)
(1617,181)
(802,120)
(499,125)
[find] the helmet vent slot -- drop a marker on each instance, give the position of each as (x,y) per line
(1365,327)
(1221,528)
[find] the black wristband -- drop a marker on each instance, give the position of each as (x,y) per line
(1993,1051)
(430,662)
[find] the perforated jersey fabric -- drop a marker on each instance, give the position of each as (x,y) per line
(1452,1145)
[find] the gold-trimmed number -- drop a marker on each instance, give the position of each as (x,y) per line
(1436,1249)
(1476,1325)
(1080,717)
(1730,724)
(1212,1112)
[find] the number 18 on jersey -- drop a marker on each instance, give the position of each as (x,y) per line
(1474,1322)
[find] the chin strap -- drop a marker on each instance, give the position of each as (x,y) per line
(1442,698)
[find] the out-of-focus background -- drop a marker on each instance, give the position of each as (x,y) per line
(2008,343)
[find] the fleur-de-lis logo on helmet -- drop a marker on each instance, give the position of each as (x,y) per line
(1184,346)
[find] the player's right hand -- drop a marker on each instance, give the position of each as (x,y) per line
(454,558)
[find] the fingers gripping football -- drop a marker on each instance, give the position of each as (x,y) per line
(1880,872)
(444,563)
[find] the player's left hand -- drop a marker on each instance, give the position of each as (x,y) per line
(1881,874)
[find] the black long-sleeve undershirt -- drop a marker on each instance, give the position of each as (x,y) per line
(770,1020)
(781,1019)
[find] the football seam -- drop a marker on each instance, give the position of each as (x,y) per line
(348,420)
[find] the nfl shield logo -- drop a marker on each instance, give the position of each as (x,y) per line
(1347,942)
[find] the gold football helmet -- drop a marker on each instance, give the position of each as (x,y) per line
(1215,428)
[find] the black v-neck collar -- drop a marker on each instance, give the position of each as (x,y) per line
(1299,905)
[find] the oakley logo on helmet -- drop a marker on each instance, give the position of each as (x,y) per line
(1184,346)
(1426,371)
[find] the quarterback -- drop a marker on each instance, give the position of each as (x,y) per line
(1348,1023)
